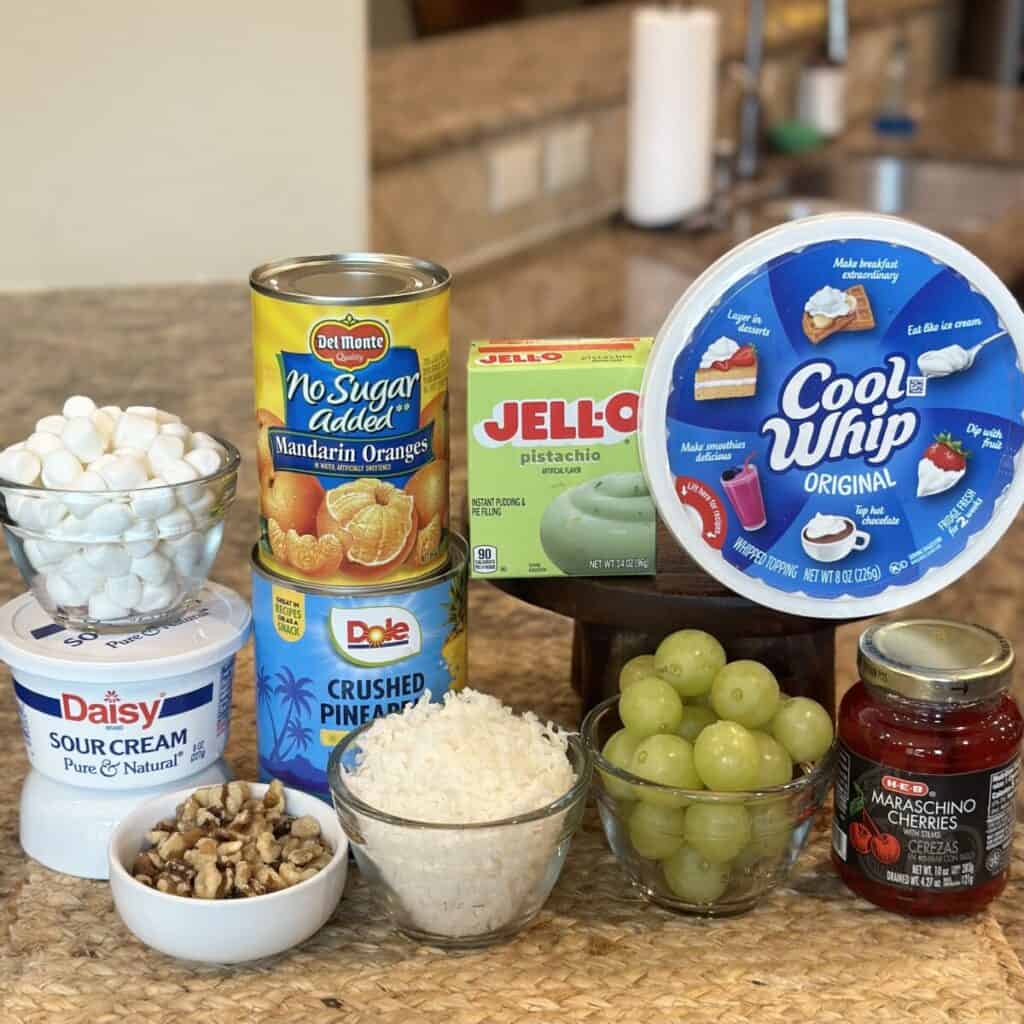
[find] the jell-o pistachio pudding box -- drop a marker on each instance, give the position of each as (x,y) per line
(555,482)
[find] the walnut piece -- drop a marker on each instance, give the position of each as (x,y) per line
(227,844)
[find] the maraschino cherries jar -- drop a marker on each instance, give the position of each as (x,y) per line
(925,797)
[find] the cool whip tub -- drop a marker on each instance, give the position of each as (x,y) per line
(111,719)
(831,419)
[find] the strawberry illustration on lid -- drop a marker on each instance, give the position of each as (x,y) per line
(942,466)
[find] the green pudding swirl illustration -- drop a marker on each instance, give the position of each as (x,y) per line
(609,519)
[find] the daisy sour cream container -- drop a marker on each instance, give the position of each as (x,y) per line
(831,418)
(110,719)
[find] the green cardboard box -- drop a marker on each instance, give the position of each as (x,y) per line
(555,483)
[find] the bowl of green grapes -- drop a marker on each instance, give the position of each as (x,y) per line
(708,777)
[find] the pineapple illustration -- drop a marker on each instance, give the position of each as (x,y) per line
(454,649)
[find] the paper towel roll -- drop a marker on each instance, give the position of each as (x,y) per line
(672,85)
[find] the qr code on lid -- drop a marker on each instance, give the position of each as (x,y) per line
(917,387)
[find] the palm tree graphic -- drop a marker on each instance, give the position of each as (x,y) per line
(297,697)
(300,735)
(264,691)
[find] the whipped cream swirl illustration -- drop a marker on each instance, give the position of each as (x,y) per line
(941,362)
(820,525)
(933,480)
(723,348)
(830,302)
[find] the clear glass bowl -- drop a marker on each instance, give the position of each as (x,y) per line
(110,561)
(780,819)
(459,886)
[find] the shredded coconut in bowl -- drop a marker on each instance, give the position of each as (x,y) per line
(463,762)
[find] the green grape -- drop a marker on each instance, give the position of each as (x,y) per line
(717,831)
(702,700)
(636,668)
(745,692)
(727,757)
(693,878)
(776,766)
(650,706)
(619,751)
(655,832)
(803,727)
(771,826)
(668,761)
(689,660)
(695,717)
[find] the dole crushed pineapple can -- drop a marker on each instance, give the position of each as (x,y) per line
(330,660)
(351,381)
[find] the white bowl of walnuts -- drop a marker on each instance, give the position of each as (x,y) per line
(228,873)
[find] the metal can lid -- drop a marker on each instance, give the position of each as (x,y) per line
(350,279)
(935,660)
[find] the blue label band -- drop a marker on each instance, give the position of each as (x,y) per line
(302,452)
(169,707)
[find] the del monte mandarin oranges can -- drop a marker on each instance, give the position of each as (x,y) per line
(351,381)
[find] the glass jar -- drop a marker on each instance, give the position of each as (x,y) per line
(925,793)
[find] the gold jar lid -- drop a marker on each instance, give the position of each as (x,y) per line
(935,660)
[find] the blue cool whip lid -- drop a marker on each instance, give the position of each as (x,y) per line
(831,419)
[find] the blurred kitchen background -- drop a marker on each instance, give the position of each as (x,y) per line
(187,142)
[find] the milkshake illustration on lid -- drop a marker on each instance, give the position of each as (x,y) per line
(832,417)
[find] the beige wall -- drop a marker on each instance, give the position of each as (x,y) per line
(151,142)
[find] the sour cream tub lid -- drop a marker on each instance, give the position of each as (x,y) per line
(213,629)
(832,416)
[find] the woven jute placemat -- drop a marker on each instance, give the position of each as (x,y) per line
(811,952)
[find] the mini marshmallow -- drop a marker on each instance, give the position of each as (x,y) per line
(82,439)
(156,597)
(164,450)
(113,411)
(20,467)
(109,559)
(82,504)
(201,505)
(103,609)
(109,520)
(151,568)
(42,553)
(140,538)
(186,552)
(135,431)
(77,571)
(202,440)
(51,425)
(73,528)
(105,424)
(124,473)
(60,470)
(105,459)
(148,412)
(175,523)
(35,513)
(153,500)
(63,592)
(180,472)
(20,446)
(124,590)
(177,430)
(79,405)
(205,461)
(129,453)
(41,443)
(163,417)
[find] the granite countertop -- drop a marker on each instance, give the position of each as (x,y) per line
(490,81)
(187,349)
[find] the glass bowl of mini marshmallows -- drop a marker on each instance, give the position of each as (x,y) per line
(115,516)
